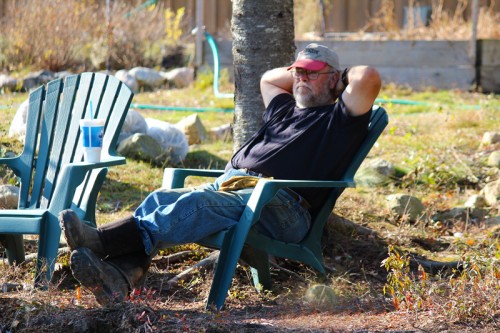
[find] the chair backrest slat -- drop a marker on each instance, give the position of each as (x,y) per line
(24,167)
(60,138)
(74,152)
(47,132)
(53,132)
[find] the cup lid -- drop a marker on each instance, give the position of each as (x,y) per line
(92,122)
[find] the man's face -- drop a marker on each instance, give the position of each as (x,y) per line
(314,88)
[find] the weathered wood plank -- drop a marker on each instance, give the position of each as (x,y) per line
(417,64)
(490,52)
(490,78)
(400,53)
(424,78)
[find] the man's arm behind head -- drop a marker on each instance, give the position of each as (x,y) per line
(363,86)
(274,82)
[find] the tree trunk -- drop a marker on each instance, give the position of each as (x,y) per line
(263,38)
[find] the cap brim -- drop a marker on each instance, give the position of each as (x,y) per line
(309,64)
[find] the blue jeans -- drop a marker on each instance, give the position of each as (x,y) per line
(171,217)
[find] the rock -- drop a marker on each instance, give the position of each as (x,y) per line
(7,83)
(405,205)
(490,138)
(493,222)
(180,77)
(36,79)
(475,201)
(62,74)
(147,77)
(193,129)
(491,192)
(129,80)
(223,132)
(375,172)
(140,146)
(494,159)
(9,196)
(321,297)
(461,213)
(10,287)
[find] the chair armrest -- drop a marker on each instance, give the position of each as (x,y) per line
(266,189)
(175,177)
(72,175)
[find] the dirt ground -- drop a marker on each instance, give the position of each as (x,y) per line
(358,279)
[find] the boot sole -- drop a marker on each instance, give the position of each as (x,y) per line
(71,228)
(103,280)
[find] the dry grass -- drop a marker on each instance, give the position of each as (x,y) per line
(424,142)
(443,25)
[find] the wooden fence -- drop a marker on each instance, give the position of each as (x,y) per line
(417,64)
(340,15)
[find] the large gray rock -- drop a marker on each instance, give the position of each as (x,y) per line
(405,206)
(180,77)
(129,80)
(375,172)
(147,77)
(7,83)
(490,138)
(36,79)
(460,213)
(494,159)
(193,129)
(322,297)
(491,192)
(223,132)
(140,146)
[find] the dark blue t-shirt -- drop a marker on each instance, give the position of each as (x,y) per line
(312,143)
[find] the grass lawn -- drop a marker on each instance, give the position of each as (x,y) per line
(437,149)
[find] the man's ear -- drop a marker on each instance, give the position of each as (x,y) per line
(334,81)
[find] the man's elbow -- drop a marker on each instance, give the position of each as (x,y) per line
(371,78)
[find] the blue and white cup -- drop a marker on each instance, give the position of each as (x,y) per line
(92,132)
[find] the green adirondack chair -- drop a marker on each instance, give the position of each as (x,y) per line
(50,168)
(255,248)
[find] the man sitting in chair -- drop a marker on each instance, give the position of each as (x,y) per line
(316,117)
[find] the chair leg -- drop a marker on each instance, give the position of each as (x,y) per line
(48,244)
(223,277)
(14,246)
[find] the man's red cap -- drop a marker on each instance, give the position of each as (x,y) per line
(315,57)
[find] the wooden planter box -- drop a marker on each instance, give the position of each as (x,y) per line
(417,64)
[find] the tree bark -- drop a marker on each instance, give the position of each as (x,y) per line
(263,38)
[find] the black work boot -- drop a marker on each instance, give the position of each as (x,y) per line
(109,240)
(104,281)
(78,234)
(111,280)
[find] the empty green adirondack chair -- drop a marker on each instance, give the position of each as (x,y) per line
(257,247)
(50,169)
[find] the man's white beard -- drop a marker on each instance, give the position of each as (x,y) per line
(308,99)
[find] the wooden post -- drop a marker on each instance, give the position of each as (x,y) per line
(473,56)
(199,33)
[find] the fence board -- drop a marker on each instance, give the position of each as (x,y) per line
(400,53)
(417,64)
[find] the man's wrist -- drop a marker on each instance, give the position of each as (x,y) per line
(344,77)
